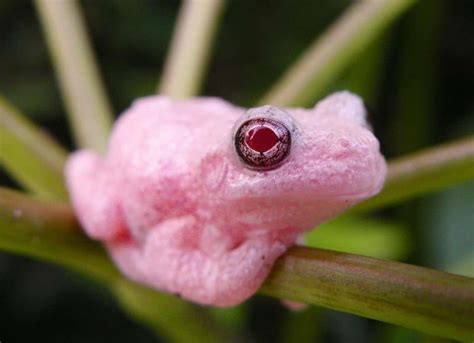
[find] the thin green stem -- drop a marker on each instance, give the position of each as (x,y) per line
(29,155)
(346,39)
(190,48)
(363,76)
(427,300)
(424,172)
(89,111)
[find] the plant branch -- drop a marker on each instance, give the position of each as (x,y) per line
(427,300)
(190,48)
(348,37)
(89,111)
(30,155)
(424,172)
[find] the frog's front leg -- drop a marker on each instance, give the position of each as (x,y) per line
(180,257)
(94,191)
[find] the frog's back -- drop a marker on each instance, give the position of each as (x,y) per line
(155,149)
(157,132)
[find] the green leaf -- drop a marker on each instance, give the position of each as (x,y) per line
(363,76)
(345,40)
(29,155)
(464,266)
(232,318)
(427,300)
(173,317)
(449,243)
(368,237)
(89,111)
(303,326)
(190,48)
(414,112)
(423,172)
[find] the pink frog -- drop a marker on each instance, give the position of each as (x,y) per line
(199,197)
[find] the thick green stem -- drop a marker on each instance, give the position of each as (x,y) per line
(29,155)
(427,300)
(89,111)
(347,38)
(190,48)
(424,172)
(431,301)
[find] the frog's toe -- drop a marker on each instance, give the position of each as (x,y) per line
(93,194)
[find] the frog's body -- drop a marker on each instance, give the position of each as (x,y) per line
(179,211)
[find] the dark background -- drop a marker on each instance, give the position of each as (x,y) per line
(421,94)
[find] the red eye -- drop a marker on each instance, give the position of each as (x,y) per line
(262,143)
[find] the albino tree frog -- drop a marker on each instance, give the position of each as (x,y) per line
(199,197)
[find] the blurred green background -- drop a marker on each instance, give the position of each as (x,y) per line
(417,79)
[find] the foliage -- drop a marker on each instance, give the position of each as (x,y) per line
(42,227)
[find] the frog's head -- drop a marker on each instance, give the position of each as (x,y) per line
(298,167)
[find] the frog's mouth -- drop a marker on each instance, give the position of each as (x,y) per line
(352,191)
(366,189)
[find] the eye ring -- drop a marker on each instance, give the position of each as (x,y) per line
(262,143)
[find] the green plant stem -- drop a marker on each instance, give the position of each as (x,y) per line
(346,39)
(29,155)
(49,231)
(431,301)
(424,172)
(427,300)
(89,111)
(190,48)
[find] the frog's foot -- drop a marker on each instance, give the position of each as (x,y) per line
(225,278)
(93,191)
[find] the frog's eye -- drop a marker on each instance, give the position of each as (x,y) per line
(262,143)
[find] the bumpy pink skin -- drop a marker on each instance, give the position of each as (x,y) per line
(180,212)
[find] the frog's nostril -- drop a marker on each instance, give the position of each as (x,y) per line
(261,138)
(344,142)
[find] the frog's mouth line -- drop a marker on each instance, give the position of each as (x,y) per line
(364,192)
(358,194)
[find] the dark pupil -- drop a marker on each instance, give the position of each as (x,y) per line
(262,143)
